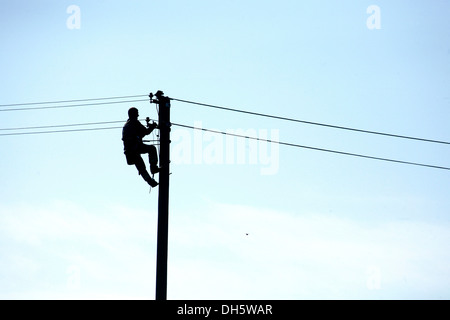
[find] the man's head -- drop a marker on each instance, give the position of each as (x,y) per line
(133,113)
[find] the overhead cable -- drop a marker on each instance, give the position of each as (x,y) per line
(61,125)
(70,101)
(310,122)
(41,105)
(57,131)
(71,105)
(212,131)
(312,148)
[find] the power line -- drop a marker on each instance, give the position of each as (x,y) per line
(313,148)
(57,131)
(206,130)
(203,129)
(61,125)
(70,101)
(15,105)
(310,122)
(71,105)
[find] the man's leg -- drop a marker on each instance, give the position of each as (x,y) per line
(140,166)
(152,157)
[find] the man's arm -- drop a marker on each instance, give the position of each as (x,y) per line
(151,127)
(143,131)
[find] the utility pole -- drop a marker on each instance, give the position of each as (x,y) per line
(163,197)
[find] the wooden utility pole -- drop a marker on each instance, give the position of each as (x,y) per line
(163,197)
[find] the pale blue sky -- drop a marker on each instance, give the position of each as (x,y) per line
(77,222)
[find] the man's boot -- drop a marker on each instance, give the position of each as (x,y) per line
(152,183)
(149,179)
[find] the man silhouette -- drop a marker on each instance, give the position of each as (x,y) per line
(132,134)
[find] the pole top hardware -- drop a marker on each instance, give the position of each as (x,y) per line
(159,94)
(159,98)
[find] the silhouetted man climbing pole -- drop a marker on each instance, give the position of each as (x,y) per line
(132,134)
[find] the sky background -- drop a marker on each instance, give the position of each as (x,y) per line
(76,222)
